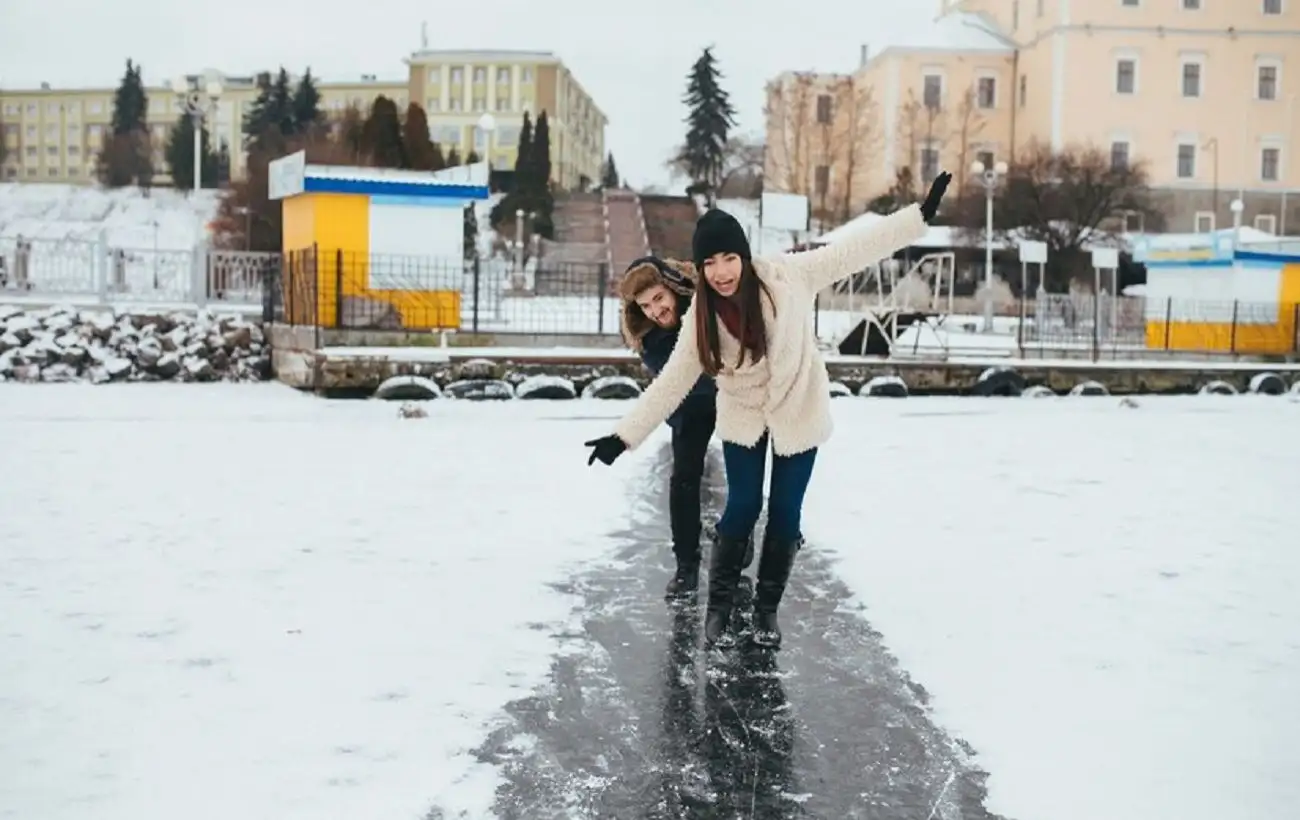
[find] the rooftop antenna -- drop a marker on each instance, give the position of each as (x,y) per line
(424,35)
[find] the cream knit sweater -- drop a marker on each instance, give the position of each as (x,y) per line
(788,392)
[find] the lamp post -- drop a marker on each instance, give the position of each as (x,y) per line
(487,124)
(990,178)
(1237,206)
(199,103)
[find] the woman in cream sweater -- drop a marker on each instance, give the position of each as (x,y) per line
(753,332)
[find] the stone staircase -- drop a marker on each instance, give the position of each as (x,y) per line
(625,233)
(669,224)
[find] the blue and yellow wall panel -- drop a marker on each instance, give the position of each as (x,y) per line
(1245,303)
(382,239)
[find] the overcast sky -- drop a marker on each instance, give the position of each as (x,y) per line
(633,61)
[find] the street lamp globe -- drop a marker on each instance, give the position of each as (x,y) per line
(180,86)
(1237,206)
(214,88)
(977,168)
(487,122)
(1000,169)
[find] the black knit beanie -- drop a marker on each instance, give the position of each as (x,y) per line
(718,232)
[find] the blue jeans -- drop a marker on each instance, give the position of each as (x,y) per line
(790,476)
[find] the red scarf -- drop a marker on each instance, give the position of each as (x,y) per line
(729,314)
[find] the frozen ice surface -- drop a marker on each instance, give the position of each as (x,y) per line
(237,601)
(1101,600)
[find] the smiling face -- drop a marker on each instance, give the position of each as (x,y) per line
(659,304)
(722,272)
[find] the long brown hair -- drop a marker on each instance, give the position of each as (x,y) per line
(753,327)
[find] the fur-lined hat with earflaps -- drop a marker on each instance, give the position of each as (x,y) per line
(646,272)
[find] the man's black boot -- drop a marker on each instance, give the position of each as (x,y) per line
(725,565)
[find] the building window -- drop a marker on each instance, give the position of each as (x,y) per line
(986,92)
(1191,5)
(456,104)
(1186,160)
(31,150)
(526,105)
(1266,223)
(1272,6)
(503,103)
(480,104)
(51,132)
(52,109)
(31,132)
(503,76)
(1191,78)
(929,162)
(1266,82)
(1129,3)
(1119,153)
(31,109)
(73,170)
(822,180)
(52,150)
(435,76)
(480,75)
(1203,222)
(458,75)
(54,172)
(986,159)
(1270,159)
(1024,89)
(97,107)
(1126,76)
(824,109)
(74,150)
(932,91)
(525,75)
(74,133)
(94,131)
(433,104)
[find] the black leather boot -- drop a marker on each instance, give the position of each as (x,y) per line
(726,561)
(685,582)
(773,573)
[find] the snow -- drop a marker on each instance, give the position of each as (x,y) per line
(1106,613)
(239,601)
(166,219)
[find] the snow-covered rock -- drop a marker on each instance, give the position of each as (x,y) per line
(65,344)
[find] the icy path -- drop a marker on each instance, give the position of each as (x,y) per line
(240,602)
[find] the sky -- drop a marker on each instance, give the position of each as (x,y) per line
(634,62)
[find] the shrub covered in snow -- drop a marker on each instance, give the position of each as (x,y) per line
(64,344)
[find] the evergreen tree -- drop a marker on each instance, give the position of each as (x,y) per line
(280,111)
(255,117)
(471,232)
(179,154)
(4,139)
(453,157)
(307,116)
(420,150)
(439,161)
(472,157)
(524,154)
(539,172)
(711,116)
(382,136)
(609,173)
(127,154)
(223,165)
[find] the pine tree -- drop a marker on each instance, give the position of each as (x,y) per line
(382,136)
(420,150)
(524,154)
(711,117)
(257,117)
(280,112)
(439,161)
(539,172)
(307,116)
(453,157)
(127,154)
(471,232)
(609,173)
(472,157)
(223,165)
(179,154)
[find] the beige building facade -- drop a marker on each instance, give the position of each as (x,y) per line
(53,135)
(1202,91)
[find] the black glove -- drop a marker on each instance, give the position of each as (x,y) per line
(606,449)
(931,205)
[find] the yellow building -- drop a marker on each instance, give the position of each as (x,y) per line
(53,135)
(1203,92)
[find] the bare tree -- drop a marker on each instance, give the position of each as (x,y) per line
(970,124)
(861,137)
(788,114)
(742,167)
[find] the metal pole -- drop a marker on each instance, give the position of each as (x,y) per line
(988,255)
(197,115)
(1285,171)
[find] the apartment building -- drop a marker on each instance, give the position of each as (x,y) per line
(1202,91)
(457,87)
(53,135)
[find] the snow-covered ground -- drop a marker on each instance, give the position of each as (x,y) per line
(166,219)
(1100,600)
(237,601)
